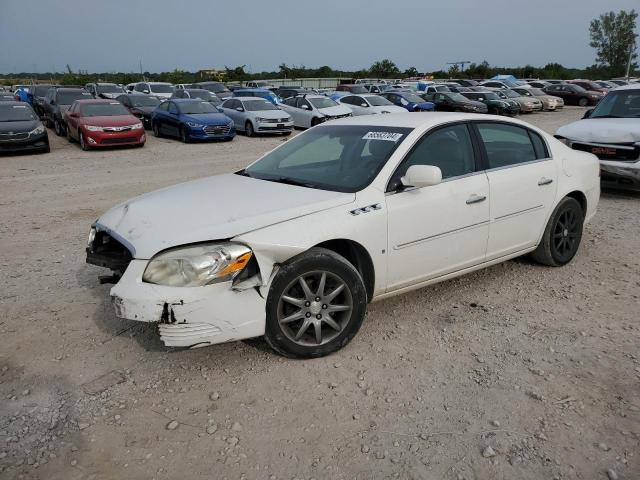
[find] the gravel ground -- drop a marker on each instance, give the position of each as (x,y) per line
(514,372)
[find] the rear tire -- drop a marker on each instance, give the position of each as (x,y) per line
(562,235)
(583,102)
(316,305)
(315,121)
(57,126)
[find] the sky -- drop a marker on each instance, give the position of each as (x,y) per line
(115,35)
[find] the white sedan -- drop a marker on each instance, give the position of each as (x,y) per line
(294,246)
(370,105)
(311,110)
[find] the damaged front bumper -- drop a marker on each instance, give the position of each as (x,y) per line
(190,316)
(620,174)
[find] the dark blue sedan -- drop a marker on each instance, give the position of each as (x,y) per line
(408,100)
(191,119)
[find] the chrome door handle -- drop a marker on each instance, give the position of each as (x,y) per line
(544,181)
(475,199)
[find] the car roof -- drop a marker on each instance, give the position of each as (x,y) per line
(95,100)
(249,98)
(188,100)
(66,89)
(630,86)
(249,89)
(8,104)
(417,120)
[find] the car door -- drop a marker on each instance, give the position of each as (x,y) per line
(353,102)
(173,119)
(443,228)
(441,102)
(72,118)
(305,114)
(522,183)
(232,112)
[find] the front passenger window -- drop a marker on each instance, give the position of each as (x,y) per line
(448,148)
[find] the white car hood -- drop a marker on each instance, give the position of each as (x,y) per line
(603,130)
(212,208)
(334,111)
(388,108)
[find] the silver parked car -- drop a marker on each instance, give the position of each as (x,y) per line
(254,115)
(311,110)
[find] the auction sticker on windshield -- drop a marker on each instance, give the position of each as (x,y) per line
(388,136)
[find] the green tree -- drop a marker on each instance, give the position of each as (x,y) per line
(613,36)
(454,71)
(411,72)
(384,69)
(237,73)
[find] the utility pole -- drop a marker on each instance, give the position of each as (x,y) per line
(632,47)
(462,64)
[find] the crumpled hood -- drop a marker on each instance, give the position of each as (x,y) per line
(212,208)
(603,130)
(335,111)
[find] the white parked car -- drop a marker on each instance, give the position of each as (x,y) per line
(159,89)
(370,104)
(253,115)
(611,131)
(310,110)
(294,246)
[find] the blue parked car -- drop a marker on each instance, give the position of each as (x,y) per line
(335,96)
(258,92)
(191,119)
(409,100)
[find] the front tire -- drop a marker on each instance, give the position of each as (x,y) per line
(83,142)
(156,130)
(583,102)
(59,129)
(248,128)
(184,135)
(316,305)
(562,236)
(315,121)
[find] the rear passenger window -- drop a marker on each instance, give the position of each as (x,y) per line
(539,145)
(506,145)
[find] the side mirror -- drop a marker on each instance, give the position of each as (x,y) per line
(145,91)
(588,113)
(73,115)
(305,107)
(422,176)
(364,105)
(240,109)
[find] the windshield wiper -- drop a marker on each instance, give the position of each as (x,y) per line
(607,116)
(290,181)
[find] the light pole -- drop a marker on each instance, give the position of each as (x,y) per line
(632,47)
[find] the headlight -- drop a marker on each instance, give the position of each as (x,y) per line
(260,119)
(529,104)
(93,128)
(137,126)
(198,265)
(37,131)
(92,236)
(195,125)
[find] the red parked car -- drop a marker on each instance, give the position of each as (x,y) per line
(103,123)
(590,86)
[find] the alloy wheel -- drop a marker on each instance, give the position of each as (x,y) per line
(315,308)
(566,233)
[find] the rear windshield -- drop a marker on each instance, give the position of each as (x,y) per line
(214,87)
(161,88)
(16,113)
(103,109)
(109,88)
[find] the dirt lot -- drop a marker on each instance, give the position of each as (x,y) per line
(541,365)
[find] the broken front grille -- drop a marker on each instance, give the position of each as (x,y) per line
(106,251)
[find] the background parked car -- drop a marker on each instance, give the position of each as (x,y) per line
(259,84)
(140,106)
(7,97)
(495,105)
(573,94)
(191,119)
(286,92)
(200,93)
(215,87)
(409,101)
(104,90)
(159,89)
(590,86)
(36,96)
(549,102)
(21,129)
(311,110)
(464,82)
(99,123)
(527,104)
(256,115)
(351,88)
(454,102)
(58,101)
(259,93)
(369,104)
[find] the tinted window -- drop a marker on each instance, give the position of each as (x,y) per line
(448,148)
(506,144)
(103,109)
(197,108)
(164,106)
(173,108)
(16,113)
(539,145)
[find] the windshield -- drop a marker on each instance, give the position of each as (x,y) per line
(331,157)
(109,88)
(457,97)
(358,89)
(410,97)
(483,95)
(537,92)
(511,94)
(41,90)
(577,88)
(258,105)
(67,98)
(144,101)
(205,95)
(214,87)
(103,109)
(161,88)
(376,101)
(618,104)
(322,102)
(195,108)
(524,92)
(510,83)
(16,113)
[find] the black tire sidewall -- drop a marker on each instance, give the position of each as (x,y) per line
(583,102)
(567,203)
(312,260)
(248,128)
